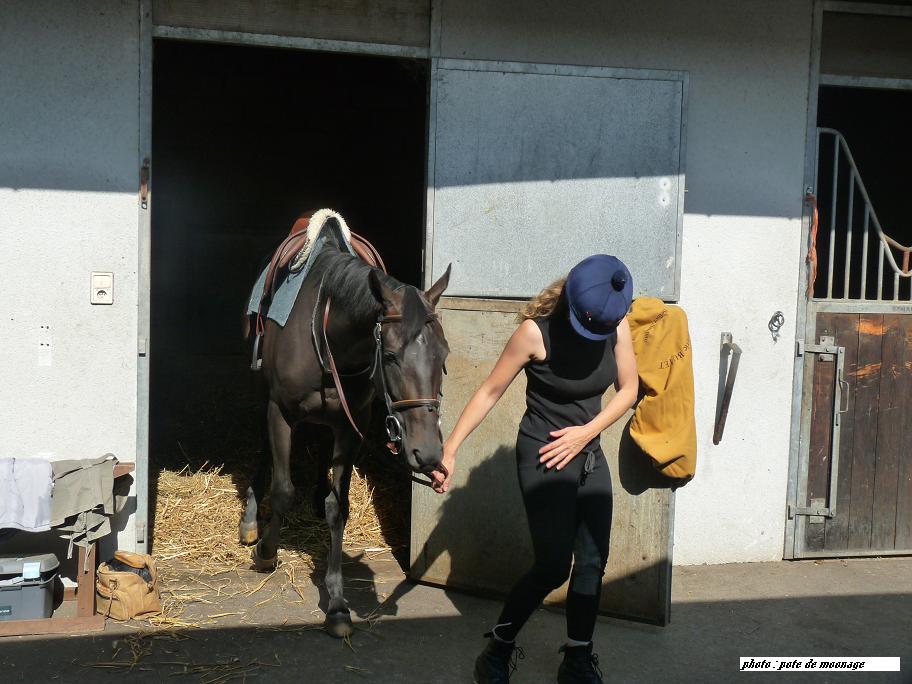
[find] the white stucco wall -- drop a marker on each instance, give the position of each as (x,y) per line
(69,172)
(748,64)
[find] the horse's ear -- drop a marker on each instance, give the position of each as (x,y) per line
(434,291)
(381,291)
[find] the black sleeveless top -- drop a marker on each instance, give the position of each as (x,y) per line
(566,388)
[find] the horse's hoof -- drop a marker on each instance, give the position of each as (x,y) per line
(339,625)
(261,564)
(248,533)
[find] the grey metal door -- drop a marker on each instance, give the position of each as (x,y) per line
(531,168)
(560,161)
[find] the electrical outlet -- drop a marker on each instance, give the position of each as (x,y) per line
(102,287)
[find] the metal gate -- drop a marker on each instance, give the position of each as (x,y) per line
(854,479)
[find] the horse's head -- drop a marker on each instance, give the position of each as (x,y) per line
(411,371)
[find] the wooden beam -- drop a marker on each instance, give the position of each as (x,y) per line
(85,584)
(59,625)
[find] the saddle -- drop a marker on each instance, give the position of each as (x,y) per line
(294,251)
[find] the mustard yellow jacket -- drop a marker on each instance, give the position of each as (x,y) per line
(663,424)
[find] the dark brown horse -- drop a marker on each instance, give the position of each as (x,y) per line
(385,341)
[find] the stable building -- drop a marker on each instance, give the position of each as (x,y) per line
(745,159)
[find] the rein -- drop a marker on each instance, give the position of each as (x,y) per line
(392,424)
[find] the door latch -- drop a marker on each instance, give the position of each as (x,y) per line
(144,184)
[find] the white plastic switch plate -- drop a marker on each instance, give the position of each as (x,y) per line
(102,287)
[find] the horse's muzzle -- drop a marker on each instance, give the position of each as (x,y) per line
(437,467)
(427,470)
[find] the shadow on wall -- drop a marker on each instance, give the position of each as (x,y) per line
(452,555)
(635,469)
(483,568)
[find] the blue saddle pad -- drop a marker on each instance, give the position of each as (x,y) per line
(289,285)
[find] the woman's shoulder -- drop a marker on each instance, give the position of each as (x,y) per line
(530,327)
(533,332)
(535,327)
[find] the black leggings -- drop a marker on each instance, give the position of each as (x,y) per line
(569,513)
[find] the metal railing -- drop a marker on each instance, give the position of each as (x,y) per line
(843,232)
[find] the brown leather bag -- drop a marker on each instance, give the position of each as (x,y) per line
(128,586)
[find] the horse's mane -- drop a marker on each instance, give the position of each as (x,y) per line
(347,281)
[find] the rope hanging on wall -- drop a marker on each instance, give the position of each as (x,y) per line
(812,250)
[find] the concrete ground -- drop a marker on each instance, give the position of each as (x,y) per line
(413,633)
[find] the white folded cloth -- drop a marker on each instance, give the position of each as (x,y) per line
(25,494)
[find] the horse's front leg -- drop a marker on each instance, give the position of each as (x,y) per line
(338,618)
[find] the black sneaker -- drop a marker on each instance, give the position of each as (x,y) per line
(497,661)
(580,666)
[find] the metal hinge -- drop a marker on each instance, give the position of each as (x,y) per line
(140,532)
(817,509)
(142,346)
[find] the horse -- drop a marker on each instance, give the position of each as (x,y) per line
(354,334)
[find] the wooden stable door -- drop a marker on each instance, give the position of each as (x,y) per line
(870,377)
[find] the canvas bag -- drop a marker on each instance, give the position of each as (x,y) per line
(124,595)
(663,424)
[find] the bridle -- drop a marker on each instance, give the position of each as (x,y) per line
(391,422)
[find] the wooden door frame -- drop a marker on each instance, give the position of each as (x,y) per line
(149,31)
(807,309)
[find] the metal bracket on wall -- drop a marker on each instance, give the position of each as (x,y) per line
(727,372)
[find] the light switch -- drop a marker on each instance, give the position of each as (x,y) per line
(102,287)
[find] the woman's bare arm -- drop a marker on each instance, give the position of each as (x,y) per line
(525,345)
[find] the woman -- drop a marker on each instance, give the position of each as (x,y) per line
(573,343)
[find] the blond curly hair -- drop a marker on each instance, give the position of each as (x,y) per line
(544,303)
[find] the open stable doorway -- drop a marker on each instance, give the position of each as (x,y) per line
(246,139)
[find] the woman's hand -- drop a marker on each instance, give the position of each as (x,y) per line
(441,484)
(567,444)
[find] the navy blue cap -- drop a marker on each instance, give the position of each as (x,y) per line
(599,291)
